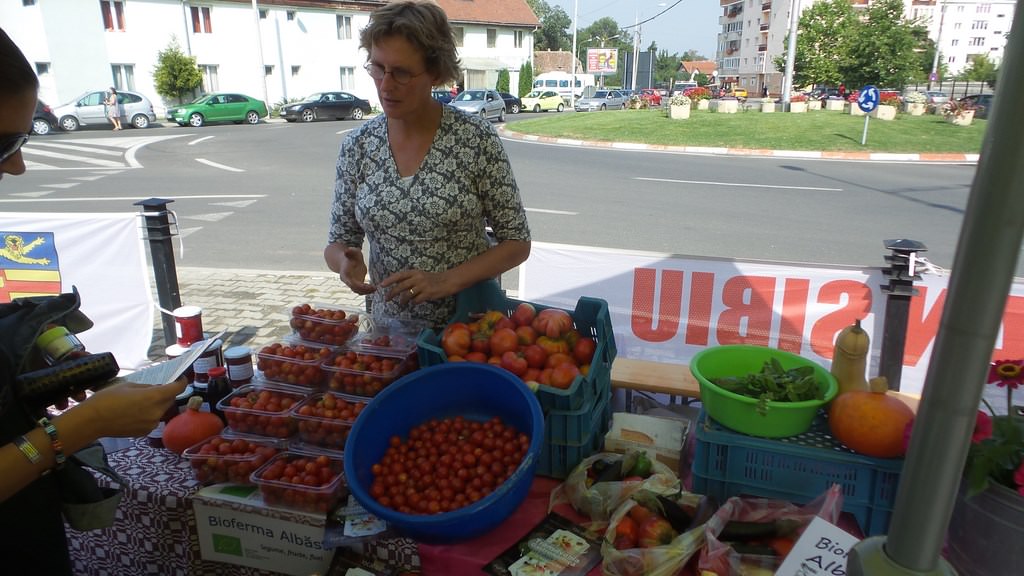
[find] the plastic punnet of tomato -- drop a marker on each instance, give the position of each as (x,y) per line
(325,324)
(325,419)
(358,373)
(301,481)
(225,458)
(261,409)
(292,362)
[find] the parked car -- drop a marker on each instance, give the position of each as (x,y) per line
(543,100)
(823,94)
(652,96)
(441,95)
(218,107)
(487,103)
(982,103)
(327,106)
(740,93)
(43,120)
(88,110)
(512,102)
(602,100)
(936,98)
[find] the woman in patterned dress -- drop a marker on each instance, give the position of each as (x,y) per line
(421,181)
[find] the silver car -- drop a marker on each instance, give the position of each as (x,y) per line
(88,110)
(487,103)
(602,100)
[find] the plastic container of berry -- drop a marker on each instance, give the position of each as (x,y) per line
(228,457)
(293,362)
(326,418)
(326,324)
(307,481)
(262,409)
(356,372)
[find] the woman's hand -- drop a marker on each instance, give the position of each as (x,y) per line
(352,271)
(128,410)
(416,286)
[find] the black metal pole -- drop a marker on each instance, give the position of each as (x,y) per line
(158,231)
(901,273)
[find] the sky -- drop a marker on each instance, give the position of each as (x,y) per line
(685,24)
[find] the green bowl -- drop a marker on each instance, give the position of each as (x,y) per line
(740,412)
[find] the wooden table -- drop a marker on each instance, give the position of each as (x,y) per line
(651,377)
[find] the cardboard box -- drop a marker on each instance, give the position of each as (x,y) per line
(235,526)
(662,438)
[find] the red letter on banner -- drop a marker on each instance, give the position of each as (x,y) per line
(921,327)
(794,314)
(858,304)
(1013,321)
(669,305)
(757,311)
(698,317)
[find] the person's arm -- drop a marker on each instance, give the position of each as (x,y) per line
(348,263)
(343,253)
(121,410)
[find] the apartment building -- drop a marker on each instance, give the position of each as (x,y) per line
(276,50)
(753,34)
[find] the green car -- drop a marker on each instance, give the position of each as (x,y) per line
(218,107)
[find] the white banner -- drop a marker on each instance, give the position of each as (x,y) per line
(100,254)
(667,308)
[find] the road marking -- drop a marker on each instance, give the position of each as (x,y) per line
(211,217)
(216,165)
(339,132)
(183,232)
(33,194)
(88,178)
(126,198)
(739,185)
(61,186)
(240,204)
(198,140)
(91,149)
(542,210)
(33,151)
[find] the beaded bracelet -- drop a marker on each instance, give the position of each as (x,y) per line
(28,449)
(58,446)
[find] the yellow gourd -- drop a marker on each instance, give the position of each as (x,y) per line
(850,358)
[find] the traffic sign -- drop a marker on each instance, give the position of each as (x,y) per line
(867,100)
(933,77)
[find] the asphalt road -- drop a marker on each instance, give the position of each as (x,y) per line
(257,197)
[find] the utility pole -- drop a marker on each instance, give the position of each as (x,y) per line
(259,52)
(572,89)
(636,48)
(934,76)
(787,79)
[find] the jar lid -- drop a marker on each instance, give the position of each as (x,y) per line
(217,372)
(238,352)
(51,335)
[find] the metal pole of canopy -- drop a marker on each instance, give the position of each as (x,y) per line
(983,270)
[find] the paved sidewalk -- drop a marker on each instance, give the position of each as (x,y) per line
(250,305)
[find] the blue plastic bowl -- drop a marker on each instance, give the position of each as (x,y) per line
(474,391)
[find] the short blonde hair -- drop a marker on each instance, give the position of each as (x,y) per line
(424,25)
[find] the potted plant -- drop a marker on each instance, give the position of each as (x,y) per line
(798,103)
(988,516)
(915,103)
(767,105)
(886,109)
(636,102)
(958,112)
(725,105)
(835,103)
(854,108)
(679,107)
(700,95)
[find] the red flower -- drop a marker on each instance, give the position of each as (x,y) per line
(1006,373)
(1018,478)
(982,428)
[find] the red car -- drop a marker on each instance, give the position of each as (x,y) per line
(652,96)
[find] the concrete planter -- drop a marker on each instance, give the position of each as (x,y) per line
(798,107)
(813,104)
(914,108)
(835,105)
(725,106)
(961,119)
(855,110)
(703,104)
(679,112)
(767,107)
(884,112)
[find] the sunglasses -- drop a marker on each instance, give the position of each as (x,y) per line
(10,145)
(400,76)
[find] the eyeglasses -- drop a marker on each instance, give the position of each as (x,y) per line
(377,72)
(9,146)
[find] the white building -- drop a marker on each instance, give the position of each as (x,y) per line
(753,33)
(302,46)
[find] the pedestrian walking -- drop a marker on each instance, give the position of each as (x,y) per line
(113,108)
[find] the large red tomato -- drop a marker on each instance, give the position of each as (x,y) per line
(514,363)
(553,345)
(655,531)
(584,349)
(535,356)
(527,335)
(503,340)
(552,322)
(563,375)
(524,314)
(455,340)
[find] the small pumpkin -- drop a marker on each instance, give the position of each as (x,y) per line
(190,427)
(870,422)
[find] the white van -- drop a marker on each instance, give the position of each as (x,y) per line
(682,85)
(560,81)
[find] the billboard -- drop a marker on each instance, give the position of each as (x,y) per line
(602,60)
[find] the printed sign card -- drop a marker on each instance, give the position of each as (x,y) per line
(821,551)
(556,546)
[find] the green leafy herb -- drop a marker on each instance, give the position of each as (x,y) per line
(773,383)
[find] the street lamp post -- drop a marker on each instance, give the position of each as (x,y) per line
(600,78)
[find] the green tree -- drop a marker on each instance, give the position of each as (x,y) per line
(824,33)
(665,67)
(692,55)
(925,51)
(981,69)
(502,85)
(605,32)
(175,74)
(881,50)
(554,26)
(525,78)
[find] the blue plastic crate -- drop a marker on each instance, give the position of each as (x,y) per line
(591,318)
(574,426)
(557,460)
(798,469)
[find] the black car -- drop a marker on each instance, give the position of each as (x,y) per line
(982,103)
(442,96)
(327,106)
(512,103)
(43,120)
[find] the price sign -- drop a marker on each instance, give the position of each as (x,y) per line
(868,98)
(821,551)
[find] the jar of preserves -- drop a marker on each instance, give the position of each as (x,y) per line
(212,357)
(238,361)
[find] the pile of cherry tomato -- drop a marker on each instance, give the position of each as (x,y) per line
(447,464)
(299,481)
(295,364)
(324,325)
(361,373)
(221,459)
(261,411)
(326,419)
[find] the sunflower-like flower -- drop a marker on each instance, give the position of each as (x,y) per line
(1006,373)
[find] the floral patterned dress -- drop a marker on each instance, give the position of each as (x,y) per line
(433,220)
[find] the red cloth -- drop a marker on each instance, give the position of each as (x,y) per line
(470,556)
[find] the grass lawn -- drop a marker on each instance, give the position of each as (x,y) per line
(815,130)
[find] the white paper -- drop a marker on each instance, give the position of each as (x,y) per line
(822,550)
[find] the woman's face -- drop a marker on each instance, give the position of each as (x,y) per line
(396,56)
(15,120)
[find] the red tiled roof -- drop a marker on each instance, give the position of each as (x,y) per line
(704,66)
(507,12)
(552,61)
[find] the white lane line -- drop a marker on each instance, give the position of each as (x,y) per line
(216,165)
(239,204)
(126,198)
(339,132)
(198,140)
(739,185)
(211,217)
(61,186)
(96,161)
(542,210)
(88,178)
(90,149)
(32,194)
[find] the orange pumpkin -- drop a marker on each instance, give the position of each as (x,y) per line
(190,427)
(870,422)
